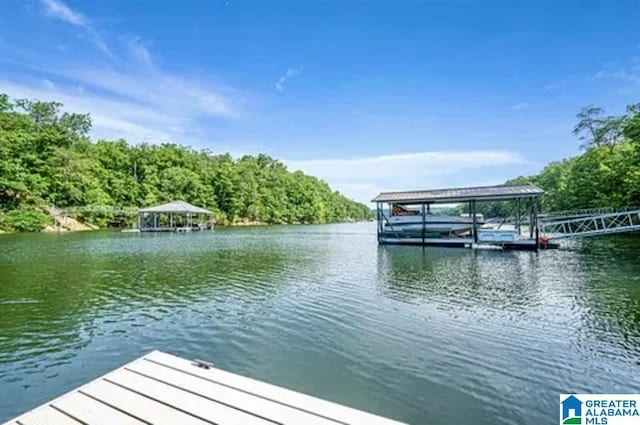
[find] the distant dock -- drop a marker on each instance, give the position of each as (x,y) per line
(176,216)
(163,389)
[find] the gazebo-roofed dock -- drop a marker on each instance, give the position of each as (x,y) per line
(408,218)
(176,216)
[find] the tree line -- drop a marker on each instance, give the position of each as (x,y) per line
(48,158)
(605,175)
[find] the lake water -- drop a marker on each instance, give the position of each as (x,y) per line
(428,336)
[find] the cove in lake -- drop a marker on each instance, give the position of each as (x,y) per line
(428,336)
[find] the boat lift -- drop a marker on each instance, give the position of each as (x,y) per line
(524,196)
(545,230)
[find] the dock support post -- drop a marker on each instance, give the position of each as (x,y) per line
(424,219)
(379,221)
(518,215)
(475,221)
(535,219)
(531,224)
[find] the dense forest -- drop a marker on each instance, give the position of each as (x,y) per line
(605,175)
(47,158)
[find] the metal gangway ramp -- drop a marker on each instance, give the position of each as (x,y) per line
(587,223)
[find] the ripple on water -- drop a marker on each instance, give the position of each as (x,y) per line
(401,331)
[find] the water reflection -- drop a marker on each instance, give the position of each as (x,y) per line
(406,332)
(456,279)
(524,319)
(59,293)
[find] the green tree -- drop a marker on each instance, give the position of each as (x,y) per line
(46,157)
(596,130)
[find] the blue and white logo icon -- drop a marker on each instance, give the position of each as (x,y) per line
(599,409)
(571,411)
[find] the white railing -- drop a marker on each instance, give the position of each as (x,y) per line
(563,227)
(555,215)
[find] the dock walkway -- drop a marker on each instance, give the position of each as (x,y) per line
(163,389)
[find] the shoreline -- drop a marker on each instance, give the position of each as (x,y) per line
(87,227)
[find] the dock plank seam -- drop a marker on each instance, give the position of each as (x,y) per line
(97,379)
(131,415)
(100,404)
(224,396)
(160,401)
(337,421)
(197,394)
(67,414)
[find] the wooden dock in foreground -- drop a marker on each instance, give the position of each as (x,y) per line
(163,389)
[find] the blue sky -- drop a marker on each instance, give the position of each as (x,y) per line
(368,95)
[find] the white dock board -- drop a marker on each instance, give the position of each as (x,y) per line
(47,415)
(138,405)
(336,412)
(163,389)
(215,397)
(198,406)
(90,411)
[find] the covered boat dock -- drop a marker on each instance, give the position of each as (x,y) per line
(176,216)
(476,233)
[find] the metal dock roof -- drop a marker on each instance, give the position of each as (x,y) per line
(162,389)
(462,194)
(178,207)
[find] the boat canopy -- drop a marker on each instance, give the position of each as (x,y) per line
(462,194)
(176,207)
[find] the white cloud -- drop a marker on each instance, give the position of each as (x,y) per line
(290,73)
(624,76)
(97,40)
(631,75)
(140,52)
(129,98)
(553,86)
(520,106)
(59,10)
(111,118)
(149,105)
(164,91)
(363,178)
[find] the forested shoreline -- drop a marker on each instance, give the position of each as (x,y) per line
(605,175)
(47,158)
